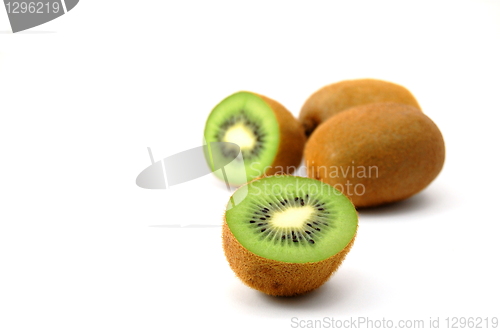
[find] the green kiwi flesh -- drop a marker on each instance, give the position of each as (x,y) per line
(291,219)
(246,119)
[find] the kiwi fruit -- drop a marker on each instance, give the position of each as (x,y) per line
(335,98)
(285,235)
(270,138)
(376,153)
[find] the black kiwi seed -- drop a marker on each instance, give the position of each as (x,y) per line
(308,234)
(242,118)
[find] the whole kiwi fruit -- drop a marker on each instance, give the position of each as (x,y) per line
(376,153)
(335,98)
(270,138)
(285,235)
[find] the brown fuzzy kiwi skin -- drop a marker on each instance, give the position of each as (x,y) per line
(292,140)
(402,145)
(274,277)
(335,98)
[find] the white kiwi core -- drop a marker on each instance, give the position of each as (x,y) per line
(294,217)
(240,135)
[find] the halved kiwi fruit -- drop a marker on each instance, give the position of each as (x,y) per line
(285,235)
(335,98)
(269,136)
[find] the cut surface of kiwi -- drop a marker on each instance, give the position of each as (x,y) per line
(268,135)
(288,234)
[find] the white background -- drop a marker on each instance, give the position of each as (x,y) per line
(82,248)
